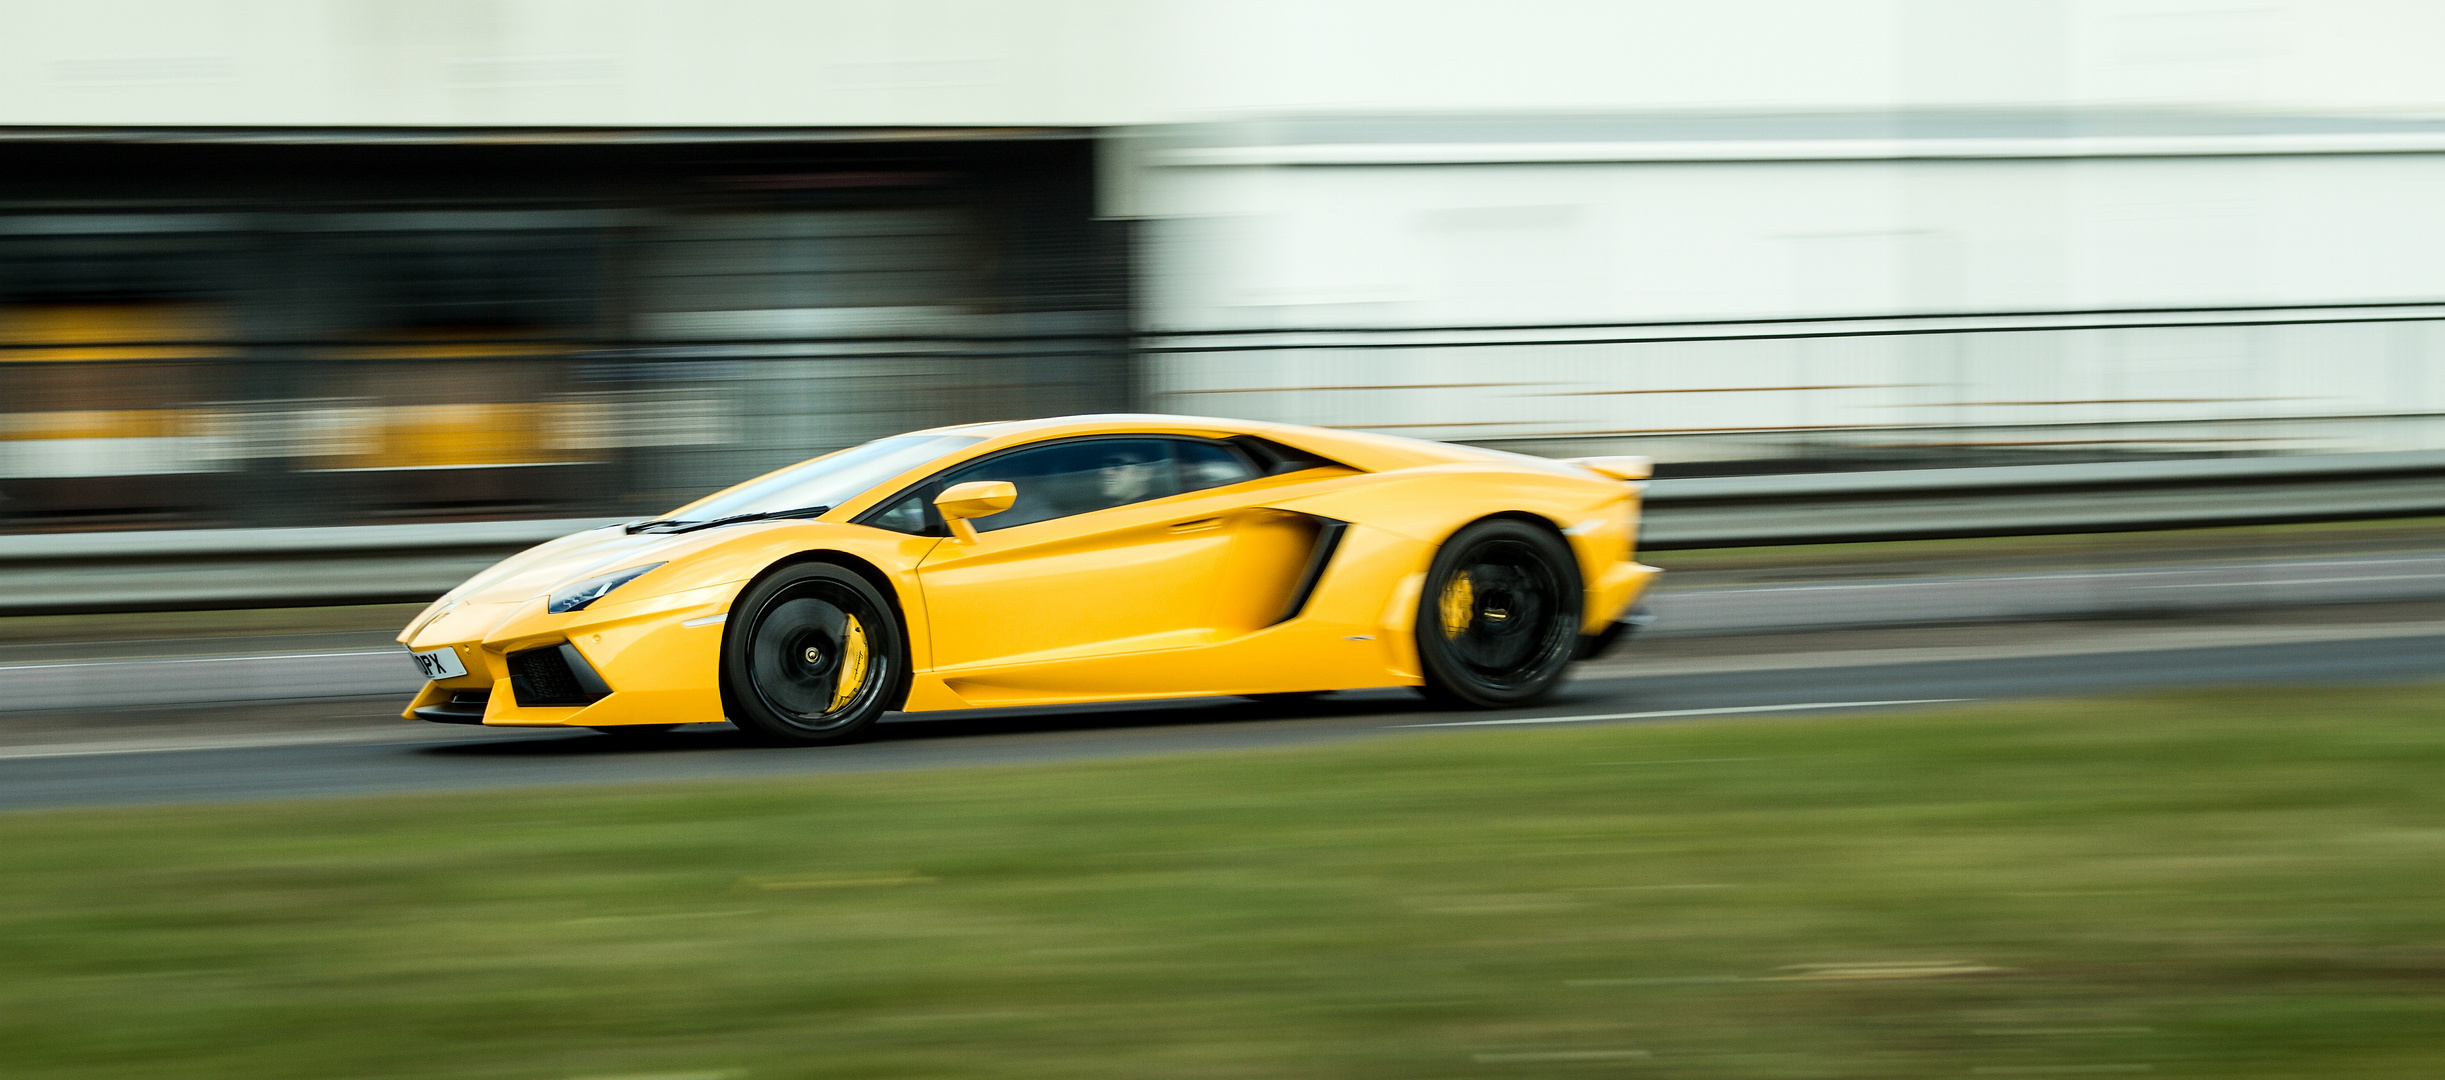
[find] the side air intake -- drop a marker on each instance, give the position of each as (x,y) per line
(554,675)
(1328,538)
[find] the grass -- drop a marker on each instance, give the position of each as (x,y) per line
(2240,884)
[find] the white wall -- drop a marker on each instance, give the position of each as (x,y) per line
(1123,62)
(1254,247)
(565,62)
(1393,246)
(2285,152)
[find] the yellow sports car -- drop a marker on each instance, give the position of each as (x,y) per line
(1085,558)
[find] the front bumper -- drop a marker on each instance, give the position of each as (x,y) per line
(1616,589)
(611,665)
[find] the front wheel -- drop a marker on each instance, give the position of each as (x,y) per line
(1499,616)
(812,656)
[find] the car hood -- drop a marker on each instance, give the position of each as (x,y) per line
(552,564)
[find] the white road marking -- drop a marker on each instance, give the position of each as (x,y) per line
(2074,575)
(2093,641)
(1910,583)
(1662,713)
(2298,581)
(2298,563)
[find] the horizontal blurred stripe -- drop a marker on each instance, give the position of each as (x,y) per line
(103,331)
(150,442)
(138,456)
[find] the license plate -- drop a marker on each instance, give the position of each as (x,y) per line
(438,663)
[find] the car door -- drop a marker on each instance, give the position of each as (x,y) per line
(1103,553)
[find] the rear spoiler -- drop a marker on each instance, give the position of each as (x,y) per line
(1626,467)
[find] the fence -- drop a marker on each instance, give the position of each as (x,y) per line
(370,564)
(1880,391)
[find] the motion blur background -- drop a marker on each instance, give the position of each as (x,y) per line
(310,309)
(463,263)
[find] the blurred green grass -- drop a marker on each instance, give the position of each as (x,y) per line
(2237,884)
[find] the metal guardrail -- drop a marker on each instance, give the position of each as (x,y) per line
(206,568)
(1922,504)
(169,570)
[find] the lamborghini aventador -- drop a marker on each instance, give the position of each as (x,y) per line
(1078,559)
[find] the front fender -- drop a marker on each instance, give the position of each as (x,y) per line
(725,568)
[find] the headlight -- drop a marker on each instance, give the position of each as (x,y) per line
(576,597)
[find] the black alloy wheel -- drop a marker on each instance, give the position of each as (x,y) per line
(813,654)
(1498,619)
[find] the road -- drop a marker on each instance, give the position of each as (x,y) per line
(350,747)
(45,677)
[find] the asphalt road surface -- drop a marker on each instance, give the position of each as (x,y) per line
(347,747)
(40,677)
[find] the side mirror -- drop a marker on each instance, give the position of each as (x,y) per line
(975,499)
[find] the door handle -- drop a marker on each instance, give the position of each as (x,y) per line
(1200,525)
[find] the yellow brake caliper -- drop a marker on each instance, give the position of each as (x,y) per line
(1459,604)
(852,665)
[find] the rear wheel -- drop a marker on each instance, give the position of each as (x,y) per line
(1499,616)
(813,656)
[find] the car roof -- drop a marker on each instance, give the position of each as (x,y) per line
(1363,450)
(1099,423)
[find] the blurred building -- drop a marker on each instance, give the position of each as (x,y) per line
(320,263)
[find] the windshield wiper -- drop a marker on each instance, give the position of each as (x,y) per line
(673,525)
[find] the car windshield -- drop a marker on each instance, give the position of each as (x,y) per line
(826,481)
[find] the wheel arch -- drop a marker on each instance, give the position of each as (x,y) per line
(1581,560)
(853,563)
(1529,516)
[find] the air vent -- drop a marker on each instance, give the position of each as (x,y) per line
(1328,539)
(554,675)
(464,707)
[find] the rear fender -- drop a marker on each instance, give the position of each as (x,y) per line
(1595,516)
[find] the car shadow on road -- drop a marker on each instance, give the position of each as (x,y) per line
(928,727)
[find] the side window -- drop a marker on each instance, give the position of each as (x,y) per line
(1274,459)
(1206,465)
(1071,478)
(908,515)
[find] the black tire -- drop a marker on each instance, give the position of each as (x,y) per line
(1513,594)
(791,657)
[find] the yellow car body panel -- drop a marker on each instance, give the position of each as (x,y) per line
(1189,595)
